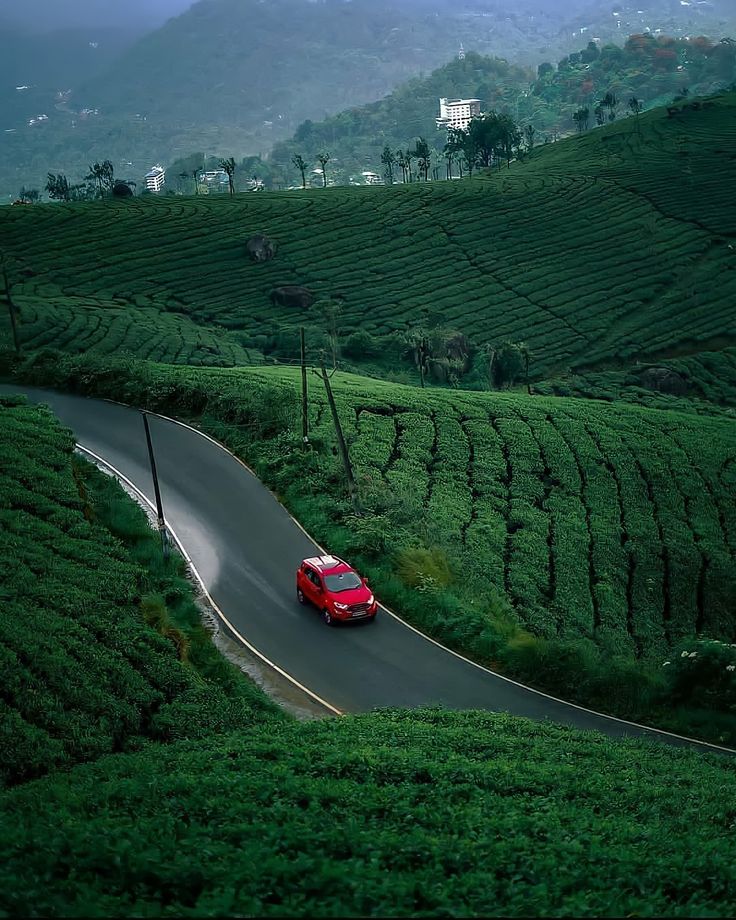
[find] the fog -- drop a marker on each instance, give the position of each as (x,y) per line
(48,15)
(142,15)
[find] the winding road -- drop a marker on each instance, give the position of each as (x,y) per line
(246,548)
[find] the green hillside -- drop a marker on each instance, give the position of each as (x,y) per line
(573,544)
(651,69)
(83,673)
(175,788)
(605,249)
(400,814)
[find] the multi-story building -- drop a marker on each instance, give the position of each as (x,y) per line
(155,179)
(456,113)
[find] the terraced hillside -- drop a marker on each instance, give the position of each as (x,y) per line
(614,524)
(83,673)
(610,524)
(610,247)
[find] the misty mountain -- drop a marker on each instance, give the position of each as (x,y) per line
(137,16)
(232,77)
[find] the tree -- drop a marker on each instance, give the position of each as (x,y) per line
(509,361)
(103,175)
(324,159)
(635,107)
(453,149)
(418,343)
(330,311)
(509,137)
(529,133)
(600,118)
(388,160)
(403,164)
(581,118)
(610,102)
(229,166)
(194,175)
(30,195)
(123,188)
(423,156)
(58,187)
(301,164)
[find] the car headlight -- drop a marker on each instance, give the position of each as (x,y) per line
(371,599)
(339,606)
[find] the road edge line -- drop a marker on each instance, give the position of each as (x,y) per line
(716,748)
(251,648)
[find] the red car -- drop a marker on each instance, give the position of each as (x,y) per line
(336,589)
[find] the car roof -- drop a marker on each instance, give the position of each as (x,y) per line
(328,564)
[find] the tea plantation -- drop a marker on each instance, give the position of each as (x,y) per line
(197,797)
(585,545)
(573,543)
(83,675)
(610,247)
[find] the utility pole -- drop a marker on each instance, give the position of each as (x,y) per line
(340,439)
(305,407)
(11,311)
(159,507)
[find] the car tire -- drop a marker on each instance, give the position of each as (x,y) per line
(327,617)
(300,596)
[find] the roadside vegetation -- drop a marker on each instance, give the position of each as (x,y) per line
(574,545)
(102,645)
(510,499)
(149,777)
(401,814)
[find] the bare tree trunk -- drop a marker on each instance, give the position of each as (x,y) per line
(12,312)
(340,439)
(305,405)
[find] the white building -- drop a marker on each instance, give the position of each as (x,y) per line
(155,179)
(456,113)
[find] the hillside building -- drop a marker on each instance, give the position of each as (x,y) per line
(155,179)
(456,113)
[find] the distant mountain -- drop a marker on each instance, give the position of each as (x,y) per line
(652,69)
(232,77)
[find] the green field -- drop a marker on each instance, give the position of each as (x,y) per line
(395,814)
(83,675)
(574,544)
(586,546)
(598,251)
(150,779)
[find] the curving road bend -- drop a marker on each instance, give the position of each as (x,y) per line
(246,548)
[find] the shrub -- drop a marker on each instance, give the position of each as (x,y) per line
(417,565)
(703,672)
(360,345)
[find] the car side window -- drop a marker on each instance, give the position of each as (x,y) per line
(313,577)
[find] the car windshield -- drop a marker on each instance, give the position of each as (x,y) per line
(345,581)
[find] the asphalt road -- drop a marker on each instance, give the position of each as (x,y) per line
(246,548)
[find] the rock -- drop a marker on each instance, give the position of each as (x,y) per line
(292,295)
(260,248)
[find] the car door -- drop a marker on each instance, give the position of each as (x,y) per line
(312,585)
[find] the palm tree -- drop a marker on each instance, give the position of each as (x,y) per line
(423,156)
(635,106)
(324,159)
(401,160)
(610,102)
(301,164)
(229,166)
(103,175)
(388,159)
